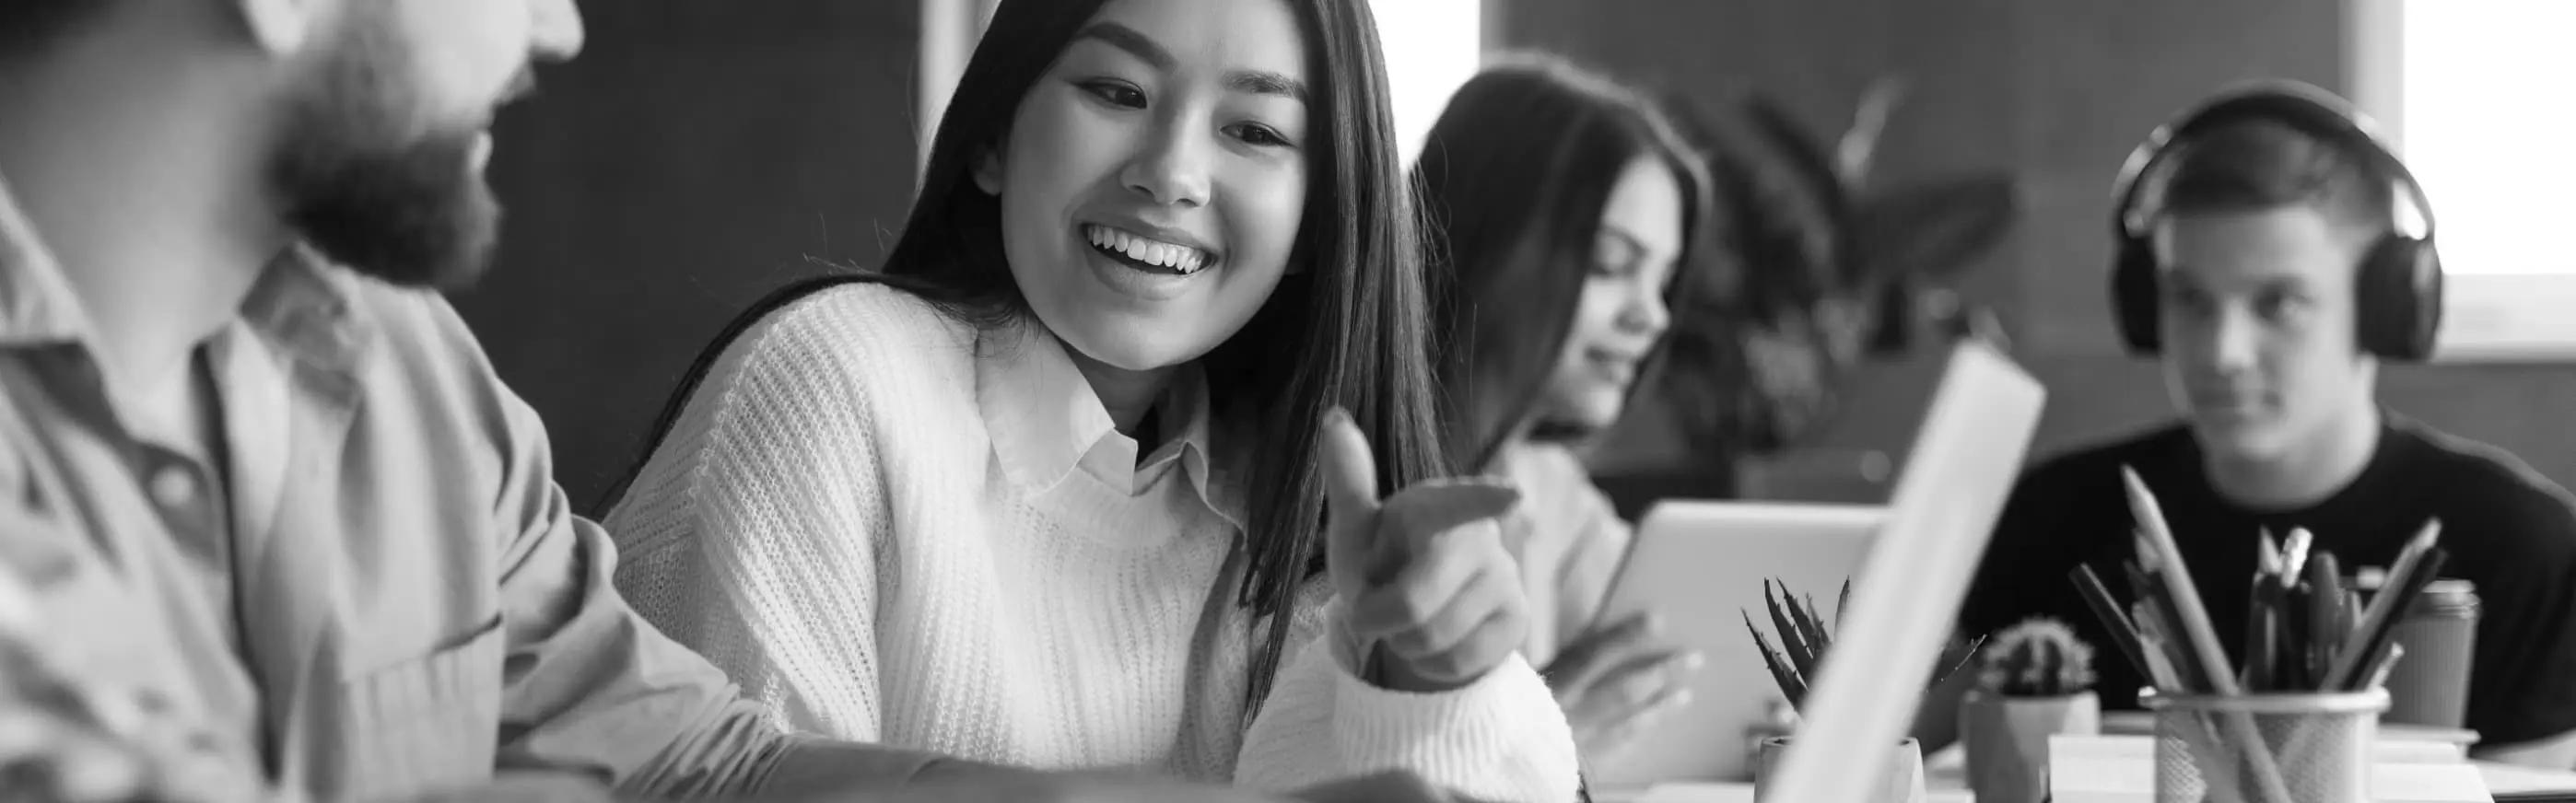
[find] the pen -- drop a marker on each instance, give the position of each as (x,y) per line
(2376,636)
(2325,617)
(2124,634)
(2297,605)
(2295,561)
(2262,635)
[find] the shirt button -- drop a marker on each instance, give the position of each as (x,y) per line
(173,488)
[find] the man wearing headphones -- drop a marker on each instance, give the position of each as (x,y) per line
(2270,257)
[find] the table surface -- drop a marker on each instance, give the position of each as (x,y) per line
(1944,777)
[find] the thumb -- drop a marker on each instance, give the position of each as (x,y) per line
(1350,490)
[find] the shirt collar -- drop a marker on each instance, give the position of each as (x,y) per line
(36,303)
(1046,422)
(301,302)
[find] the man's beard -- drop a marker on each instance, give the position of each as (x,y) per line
(365,183)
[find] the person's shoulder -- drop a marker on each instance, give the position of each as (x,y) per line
(872,315)
(858,336)
(403,340)
(2472,464)
(2481,479)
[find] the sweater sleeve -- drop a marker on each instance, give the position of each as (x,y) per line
(1501,738)
(759,538)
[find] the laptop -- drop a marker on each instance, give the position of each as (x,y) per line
(1702,565)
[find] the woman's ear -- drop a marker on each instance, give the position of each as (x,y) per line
(988,171)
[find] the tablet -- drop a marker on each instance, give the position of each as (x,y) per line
(1909,562)
(1702,565)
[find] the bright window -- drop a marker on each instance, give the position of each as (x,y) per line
(2471,91)
(1432,46)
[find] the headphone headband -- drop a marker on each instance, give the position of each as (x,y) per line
(2311,110)
(2398,290)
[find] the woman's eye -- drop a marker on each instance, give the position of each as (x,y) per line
(1116,93)
(1259,135)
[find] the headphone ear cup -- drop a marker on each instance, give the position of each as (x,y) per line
(2134,294)
(2400,299)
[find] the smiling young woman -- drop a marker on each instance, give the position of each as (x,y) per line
(1050,488)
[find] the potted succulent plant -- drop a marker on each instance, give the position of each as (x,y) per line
(2036,682)
(1804,638)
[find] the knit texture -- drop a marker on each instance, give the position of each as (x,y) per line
(848,518)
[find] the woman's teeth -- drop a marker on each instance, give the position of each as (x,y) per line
(1180,258)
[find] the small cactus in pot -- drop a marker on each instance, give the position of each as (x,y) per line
(2035,681)
(2037,658)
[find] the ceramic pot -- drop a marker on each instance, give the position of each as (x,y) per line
(1900,771)
(2006,739)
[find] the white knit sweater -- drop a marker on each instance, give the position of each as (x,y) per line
(894,528)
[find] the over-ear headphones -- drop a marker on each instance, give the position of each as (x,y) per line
(2398,292)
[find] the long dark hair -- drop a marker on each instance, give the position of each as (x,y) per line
(1347,330)
(1515,176)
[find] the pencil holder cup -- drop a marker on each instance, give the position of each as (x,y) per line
(2266,748)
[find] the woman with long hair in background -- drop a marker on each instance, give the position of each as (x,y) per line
(1565,207)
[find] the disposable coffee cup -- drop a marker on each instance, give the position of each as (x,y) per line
(2429,685)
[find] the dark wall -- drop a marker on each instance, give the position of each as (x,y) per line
(689,160)
(2057,92)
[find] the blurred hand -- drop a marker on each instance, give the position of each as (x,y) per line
(1615,680)
(1424,574)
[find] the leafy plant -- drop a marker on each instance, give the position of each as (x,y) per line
(1813,267)
(2039,657)
(1804,639)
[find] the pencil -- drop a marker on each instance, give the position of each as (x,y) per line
(2203,641)
(2387,662)
(2178,585)
(2377,636)
(2154,615)
(2164,667)
(2124,634)
(2382,608)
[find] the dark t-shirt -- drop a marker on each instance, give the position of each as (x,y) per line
(2508,530)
